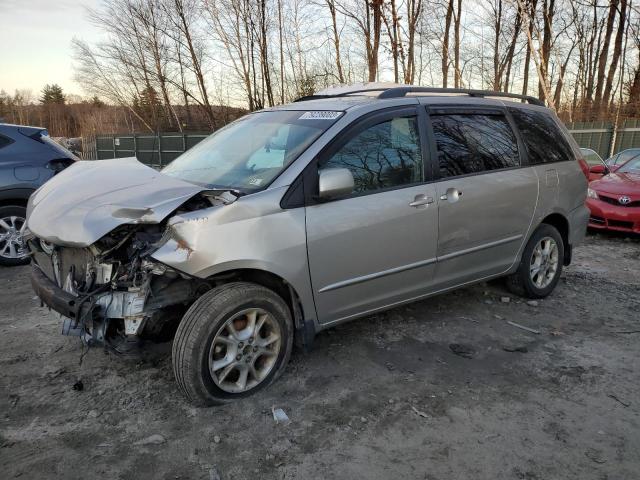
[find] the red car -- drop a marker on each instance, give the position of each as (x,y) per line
(614,200)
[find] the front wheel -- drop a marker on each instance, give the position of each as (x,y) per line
(541,264)
(233,341)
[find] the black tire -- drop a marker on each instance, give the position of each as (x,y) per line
(7,212)
(204,320)
(521,283)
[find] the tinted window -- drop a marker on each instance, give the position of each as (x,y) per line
(543,139)
(382,156)
(60,150)
(4,141)
(474,143)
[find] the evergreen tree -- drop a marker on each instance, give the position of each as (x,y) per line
(52,94)
(148,106)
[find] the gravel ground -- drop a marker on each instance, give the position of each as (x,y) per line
(382,397)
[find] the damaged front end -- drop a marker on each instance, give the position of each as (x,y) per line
(112,292)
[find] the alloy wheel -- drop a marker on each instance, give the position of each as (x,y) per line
(544,262)
(11,237)
(245,350)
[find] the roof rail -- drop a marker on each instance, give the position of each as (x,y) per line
(403,91)
(341,94)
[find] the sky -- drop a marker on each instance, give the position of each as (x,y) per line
(35,42)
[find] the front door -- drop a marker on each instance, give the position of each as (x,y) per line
(377,246)
(486,199)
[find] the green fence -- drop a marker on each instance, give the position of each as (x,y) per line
(159,150)
(154,150)
(604,139)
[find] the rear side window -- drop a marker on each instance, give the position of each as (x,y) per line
(543,139)
(60,150)
(474,143)
(4,141)
(384,155)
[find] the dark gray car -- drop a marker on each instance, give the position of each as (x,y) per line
(28,158)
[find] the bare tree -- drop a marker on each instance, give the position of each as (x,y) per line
(167,60)
(181,15)
(445,43)
(367,15)
(333,13)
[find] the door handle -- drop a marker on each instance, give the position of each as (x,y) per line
(421,200)
(452,195)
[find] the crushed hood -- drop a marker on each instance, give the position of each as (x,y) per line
(90,198)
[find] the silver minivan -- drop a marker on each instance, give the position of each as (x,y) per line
(296,218)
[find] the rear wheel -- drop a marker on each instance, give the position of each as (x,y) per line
(541,264)
(13,250)
(234,340)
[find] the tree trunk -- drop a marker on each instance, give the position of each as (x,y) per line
(548,12)
(617,50)
(497,30)
(336,39)
(445,44)
(604,54)
(527,57)
(456,46)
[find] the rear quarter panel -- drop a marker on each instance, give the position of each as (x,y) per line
(23,163)
(563,190)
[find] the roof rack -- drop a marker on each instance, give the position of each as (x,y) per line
(402,91)
(341,94)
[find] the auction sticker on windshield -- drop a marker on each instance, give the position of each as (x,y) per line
(320,115)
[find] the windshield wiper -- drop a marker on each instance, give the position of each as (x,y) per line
(234,191)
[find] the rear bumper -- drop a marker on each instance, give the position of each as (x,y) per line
(606,216)
(578,219)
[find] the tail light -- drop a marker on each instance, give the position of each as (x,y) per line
(584,167)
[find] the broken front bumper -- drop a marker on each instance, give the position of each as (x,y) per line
(79,314)
(56,298)
(88,316)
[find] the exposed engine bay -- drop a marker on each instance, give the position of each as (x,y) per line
(114,291)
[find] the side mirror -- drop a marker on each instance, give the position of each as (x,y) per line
(335,182)
(599,169)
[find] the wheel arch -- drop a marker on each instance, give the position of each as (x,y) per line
(303,323)
(16,196)
(560,223)
(11,202)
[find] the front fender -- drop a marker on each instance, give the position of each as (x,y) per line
(251,233)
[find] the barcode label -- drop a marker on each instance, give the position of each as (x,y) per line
(320,115)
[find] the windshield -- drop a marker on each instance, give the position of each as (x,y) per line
(623,156)
(632,166)
(249,153)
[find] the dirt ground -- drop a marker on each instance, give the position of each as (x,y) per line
(379,398)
